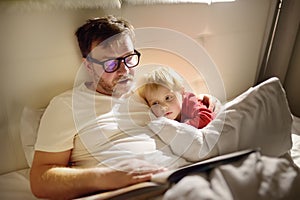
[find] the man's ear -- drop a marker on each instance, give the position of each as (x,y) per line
(87,65)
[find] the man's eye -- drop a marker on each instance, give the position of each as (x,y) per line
(131,60)
(110,64)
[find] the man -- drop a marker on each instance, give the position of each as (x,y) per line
(87,141)
(59,145)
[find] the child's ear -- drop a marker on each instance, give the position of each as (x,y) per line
(182,90)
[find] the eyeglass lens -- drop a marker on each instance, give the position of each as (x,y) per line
(129,61)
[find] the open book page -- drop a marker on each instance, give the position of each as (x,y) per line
(208,164)
(173,176)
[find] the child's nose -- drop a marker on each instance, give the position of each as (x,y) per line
(164,107)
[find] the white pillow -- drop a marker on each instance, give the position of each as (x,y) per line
(30,121)
(295,151)
(260,117)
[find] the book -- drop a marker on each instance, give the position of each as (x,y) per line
(138,191)
(162,181)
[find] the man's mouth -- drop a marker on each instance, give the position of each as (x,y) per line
(124,80)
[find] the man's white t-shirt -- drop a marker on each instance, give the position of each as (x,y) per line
(101,131)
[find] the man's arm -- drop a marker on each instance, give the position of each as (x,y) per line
(51,178)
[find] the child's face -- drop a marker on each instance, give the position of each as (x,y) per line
(164,103)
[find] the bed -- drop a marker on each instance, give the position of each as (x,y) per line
(257,105)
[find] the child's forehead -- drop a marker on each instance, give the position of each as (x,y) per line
(156,89)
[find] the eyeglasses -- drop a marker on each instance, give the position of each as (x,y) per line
(112,65)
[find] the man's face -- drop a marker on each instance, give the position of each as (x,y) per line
(120,81)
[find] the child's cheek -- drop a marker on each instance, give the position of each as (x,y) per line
(157,110)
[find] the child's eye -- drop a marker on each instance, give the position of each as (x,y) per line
(154,103)
(169,97)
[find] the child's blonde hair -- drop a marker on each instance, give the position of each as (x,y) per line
(162,76)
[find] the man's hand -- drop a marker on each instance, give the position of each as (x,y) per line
(129,172)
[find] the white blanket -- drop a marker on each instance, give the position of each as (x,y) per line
(255,177)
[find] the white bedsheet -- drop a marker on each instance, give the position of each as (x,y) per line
(15,185)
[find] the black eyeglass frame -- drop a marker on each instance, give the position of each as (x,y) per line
(120,59)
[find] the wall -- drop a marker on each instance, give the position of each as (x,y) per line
(39,59)
(232,33)
(39,56)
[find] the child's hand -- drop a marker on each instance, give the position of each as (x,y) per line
(211,102)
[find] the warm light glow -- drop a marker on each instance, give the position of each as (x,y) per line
(174,1)
(216,1)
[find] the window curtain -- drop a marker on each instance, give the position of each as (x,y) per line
(281,55)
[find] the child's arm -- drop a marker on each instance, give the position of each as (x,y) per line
(201,118)
(195,112)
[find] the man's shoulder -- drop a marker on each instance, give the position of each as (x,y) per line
(63,96)
(68,94)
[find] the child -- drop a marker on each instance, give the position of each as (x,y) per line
(164,93)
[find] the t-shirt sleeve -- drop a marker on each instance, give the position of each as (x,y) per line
(57,129)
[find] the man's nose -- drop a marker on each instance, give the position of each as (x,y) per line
(123,68)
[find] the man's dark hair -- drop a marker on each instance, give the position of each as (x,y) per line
(98,30)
